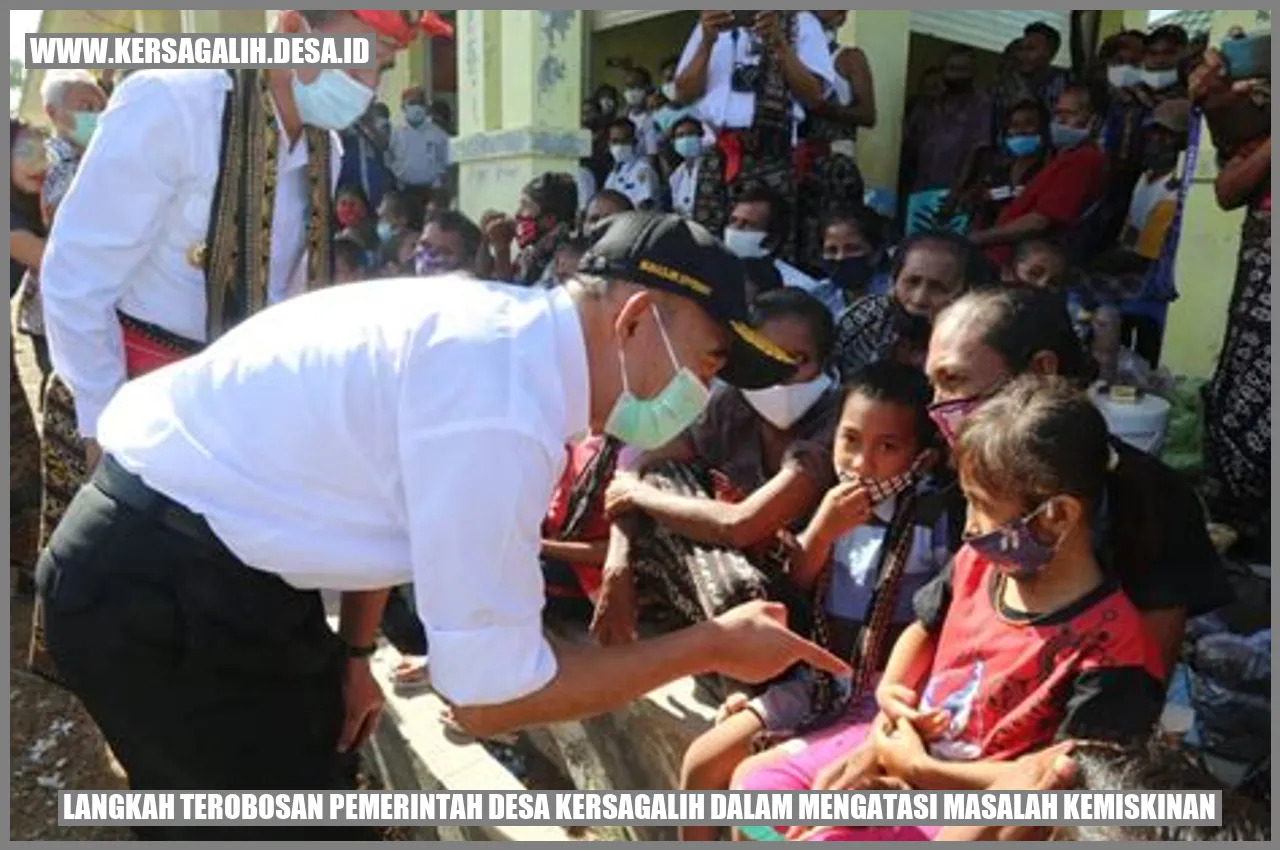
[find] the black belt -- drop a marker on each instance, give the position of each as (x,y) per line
(130,490)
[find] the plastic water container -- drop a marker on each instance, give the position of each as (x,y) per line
(1141,420)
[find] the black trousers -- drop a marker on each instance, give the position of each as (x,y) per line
(201,672)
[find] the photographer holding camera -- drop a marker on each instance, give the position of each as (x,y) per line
(751,77)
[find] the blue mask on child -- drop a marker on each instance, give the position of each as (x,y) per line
(1024,145)
(1067,138)
(1014,549)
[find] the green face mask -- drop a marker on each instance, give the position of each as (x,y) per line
(651,423)
(85,124)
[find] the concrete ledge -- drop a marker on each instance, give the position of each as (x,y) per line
(412,751)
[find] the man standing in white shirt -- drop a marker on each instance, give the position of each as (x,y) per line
(419,152)
(182,589)
(751,77)
(633,173)
(180,224)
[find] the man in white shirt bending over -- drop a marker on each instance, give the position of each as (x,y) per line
(366,437)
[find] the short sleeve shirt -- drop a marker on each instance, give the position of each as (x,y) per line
(728,437)
(1015,682)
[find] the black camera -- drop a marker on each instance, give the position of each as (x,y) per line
(745,78)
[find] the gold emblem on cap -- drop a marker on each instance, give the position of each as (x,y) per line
(196,254)
(758,340)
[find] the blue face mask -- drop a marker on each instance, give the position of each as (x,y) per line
(1024,145)
(333,101)
(415,114)
(651,423)
(688,147)
(385,231)
(85,125)
(1066,138)
(1014,549)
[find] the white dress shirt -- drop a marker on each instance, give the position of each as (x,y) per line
(636,179)
(792,276)
(684,185)
(139,205)
(723,108)
(362,437)
(418,156)
(586,187)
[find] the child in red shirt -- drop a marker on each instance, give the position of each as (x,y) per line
(573,558)
(1021,641)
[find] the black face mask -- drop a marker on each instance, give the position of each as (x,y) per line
(852,274)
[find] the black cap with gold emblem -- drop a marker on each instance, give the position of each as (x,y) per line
(667,252)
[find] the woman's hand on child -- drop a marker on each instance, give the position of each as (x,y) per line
(899,748)
(900,702)
(846,506)
(734,704)
(614,620)
(624,494)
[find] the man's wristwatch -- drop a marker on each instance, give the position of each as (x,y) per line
(361,651)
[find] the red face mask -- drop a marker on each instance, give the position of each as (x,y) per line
(349,212)
(526,230)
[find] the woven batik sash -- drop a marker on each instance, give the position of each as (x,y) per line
(237,254)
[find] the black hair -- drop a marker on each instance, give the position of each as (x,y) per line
(606,90)
(348,251)
(1167,32)
(354,190)
(1037,438)
(1018,324)
(1091,95)
(790,302)
(972,265)
(624,122)
(1028,104)
(1156,766)
(763,274)
(616,197)
(757,192)
(452,221)
(26,205)
(866,221)
(412,209)
(381,109)
(687,119)
(959,50)
(556,195)
(1027,244)
(1049,33)
(646,79)
(892,382)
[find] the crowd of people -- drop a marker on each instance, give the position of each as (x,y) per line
(931,479)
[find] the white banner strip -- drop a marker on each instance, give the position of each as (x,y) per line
(265,50)
(592,808)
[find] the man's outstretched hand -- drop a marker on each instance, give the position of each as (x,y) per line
(751,643)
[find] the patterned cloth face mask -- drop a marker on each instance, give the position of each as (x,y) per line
(881,490)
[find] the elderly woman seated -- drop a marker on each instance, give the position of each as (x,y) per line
(697,522)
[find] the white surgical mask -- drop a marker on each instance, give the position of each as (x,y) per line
(784,405)
(669,91)
(622,154)
(747,244)
(1123,76)
(1159,80)
(332,101)
(688,147)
